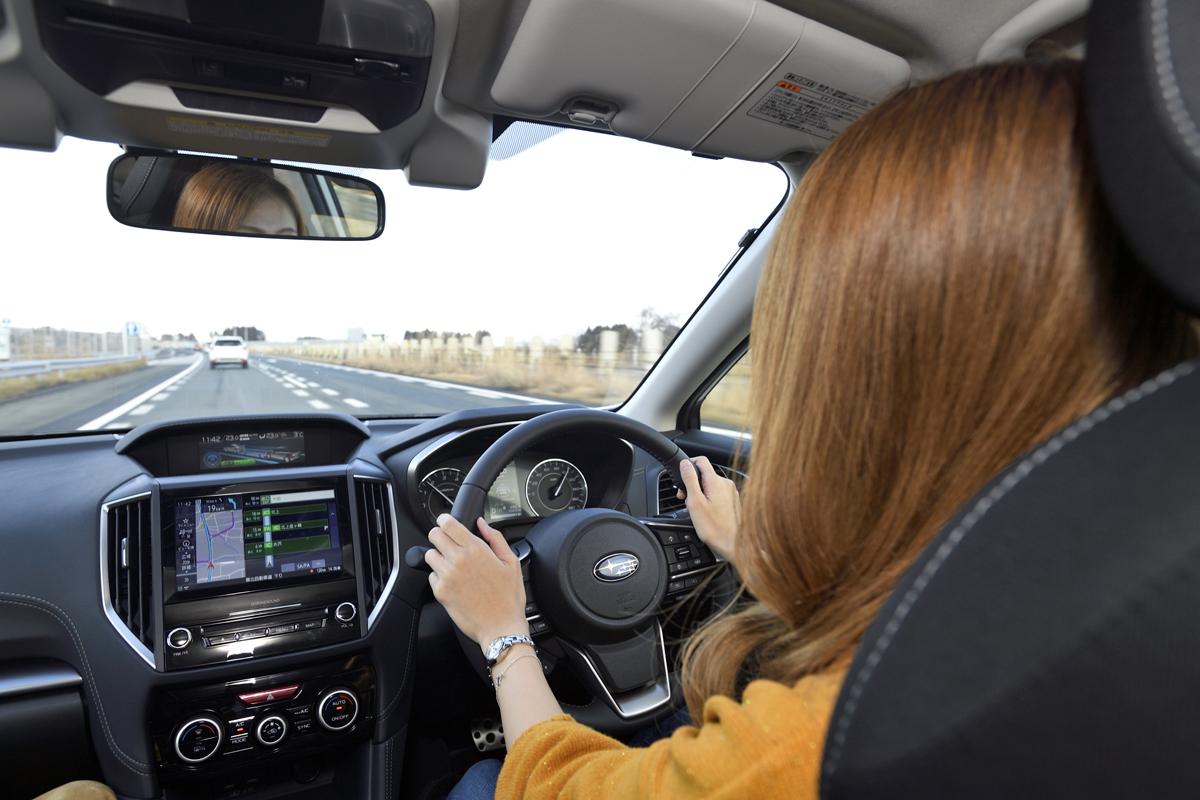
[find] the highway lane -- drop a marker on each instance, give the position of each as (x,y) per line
(187,387)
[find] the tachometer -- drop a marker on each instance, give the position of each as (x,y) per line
(438,489)
(555,485)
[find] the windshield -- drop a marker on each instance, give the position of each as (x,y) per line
(563,278)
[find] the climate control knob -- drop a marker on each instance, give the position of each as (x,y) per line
(198,739)
(271,730)
(337,710)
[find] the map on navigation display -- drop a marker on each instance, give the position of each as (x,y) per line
(245,538)
(223,539)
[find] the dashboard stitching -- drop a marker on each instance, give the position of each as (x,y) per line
(69,626)
(412,637)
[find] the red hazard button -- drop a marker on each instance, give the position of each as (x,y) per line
(269,695)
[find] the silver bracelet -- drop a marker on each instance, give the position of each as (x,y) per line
(500,677)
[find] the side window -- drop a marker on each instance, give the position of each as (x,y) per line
(725,408)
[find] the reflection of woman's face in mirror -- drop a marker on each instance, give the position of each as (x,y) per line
(238,198)
(270,216)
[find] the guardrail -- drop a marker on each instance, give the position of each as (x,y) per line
(17,369)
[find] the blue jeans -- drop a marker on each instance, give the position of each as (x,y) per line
(479,782)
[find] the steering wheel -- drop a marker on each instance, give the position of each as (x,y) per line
(597,576)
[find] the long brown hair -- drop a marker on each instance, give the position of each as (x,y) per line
(220,196)
(945,290)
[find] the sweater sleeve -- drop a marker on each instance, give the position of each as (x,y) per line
(768,746)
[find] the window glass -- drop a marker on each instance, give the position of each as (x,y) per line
(561,278)
(725,408)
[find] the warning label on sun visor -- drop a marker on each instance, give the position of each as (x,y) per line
(810,106)
(246,131)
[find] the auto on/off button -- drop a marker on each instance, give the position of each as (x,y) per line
(337,710)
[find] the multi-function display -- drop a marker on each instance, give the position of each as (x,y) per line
(247,538)
(240,450)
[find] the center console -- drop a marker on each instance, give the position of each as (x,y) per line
(256,569)
(230,724)
(248,540)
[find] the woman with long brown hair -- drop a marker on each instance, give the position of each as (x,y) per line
(945,291)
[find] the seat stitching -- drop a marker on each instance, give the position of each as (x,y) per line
(1168,85)
(69,625)
(840,732)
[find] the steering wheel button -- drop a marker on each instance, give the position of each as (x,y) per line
(668,537)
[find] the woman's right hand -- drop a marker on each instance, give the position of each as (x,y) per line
(713,503)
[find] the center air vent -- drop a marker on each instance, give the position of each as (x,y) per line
(377,538)
(668,502)
(128,572)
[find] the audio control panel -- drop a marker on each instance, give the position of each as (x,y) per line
(210,727)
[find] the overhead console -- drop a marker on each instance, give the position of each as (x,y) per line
(356,66)
(741,78)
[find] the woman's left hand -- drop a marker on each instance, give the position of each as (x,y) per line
(478,580)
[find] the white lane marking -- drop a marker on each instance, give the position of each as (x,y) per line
(485,393)
(350,401)
(120,410)
(330,392)
(321,404)
(312,385)
(427,382)
(114,426)
(146,409)
(300,392)
(160,396)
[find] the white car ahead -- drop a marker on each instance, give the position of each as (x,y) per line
(228,350)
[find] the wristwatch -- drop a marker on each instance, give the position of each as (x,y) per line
(502,643)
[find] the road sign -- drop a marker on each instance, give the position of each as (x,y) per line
(132,328)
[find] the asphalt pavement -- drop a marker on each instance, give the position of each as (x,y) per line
(181,387)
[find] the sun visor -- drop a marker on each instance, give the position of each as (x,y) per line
(742,78)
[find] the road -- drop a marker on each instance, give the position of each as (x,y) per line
(180,387)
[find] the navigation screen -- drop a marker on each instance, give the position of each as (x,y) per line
(246,538)
(232,450)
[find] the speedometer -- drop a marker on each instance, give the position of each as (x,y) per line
(438,489)
(555,485)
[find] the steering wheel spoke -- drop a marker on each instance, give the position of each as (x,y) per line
(630,675)
(688,558)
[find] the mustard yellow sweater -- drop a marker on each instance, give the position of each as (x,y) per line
(766,747)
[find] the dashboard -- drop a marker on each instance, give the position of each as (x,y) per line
(224,595)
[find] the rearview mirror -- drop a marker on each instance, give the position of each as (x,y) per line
(200,194)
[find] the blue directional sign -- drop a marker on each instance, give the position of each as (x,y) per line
(132,328)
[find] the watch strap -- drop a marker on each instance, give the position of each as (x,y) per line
(500,645)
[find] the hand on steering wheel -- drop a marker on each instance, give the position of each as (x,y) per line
(477,580)
(713,503)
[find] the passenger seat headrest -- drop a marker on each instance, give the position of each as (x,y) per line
(1143,100)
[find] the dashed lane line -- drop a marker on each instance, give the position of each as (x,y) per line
(108,416)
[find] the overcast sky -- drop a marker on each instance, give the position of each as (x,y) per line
(581,230)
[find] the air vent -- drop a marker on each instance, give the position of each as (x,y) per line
(377,539)
(128,577)
(668,502)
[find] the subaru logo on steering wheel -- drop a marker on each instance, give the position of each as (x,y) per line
(616,567)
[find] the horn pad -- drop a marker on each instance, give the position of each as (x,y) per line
(597,574)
